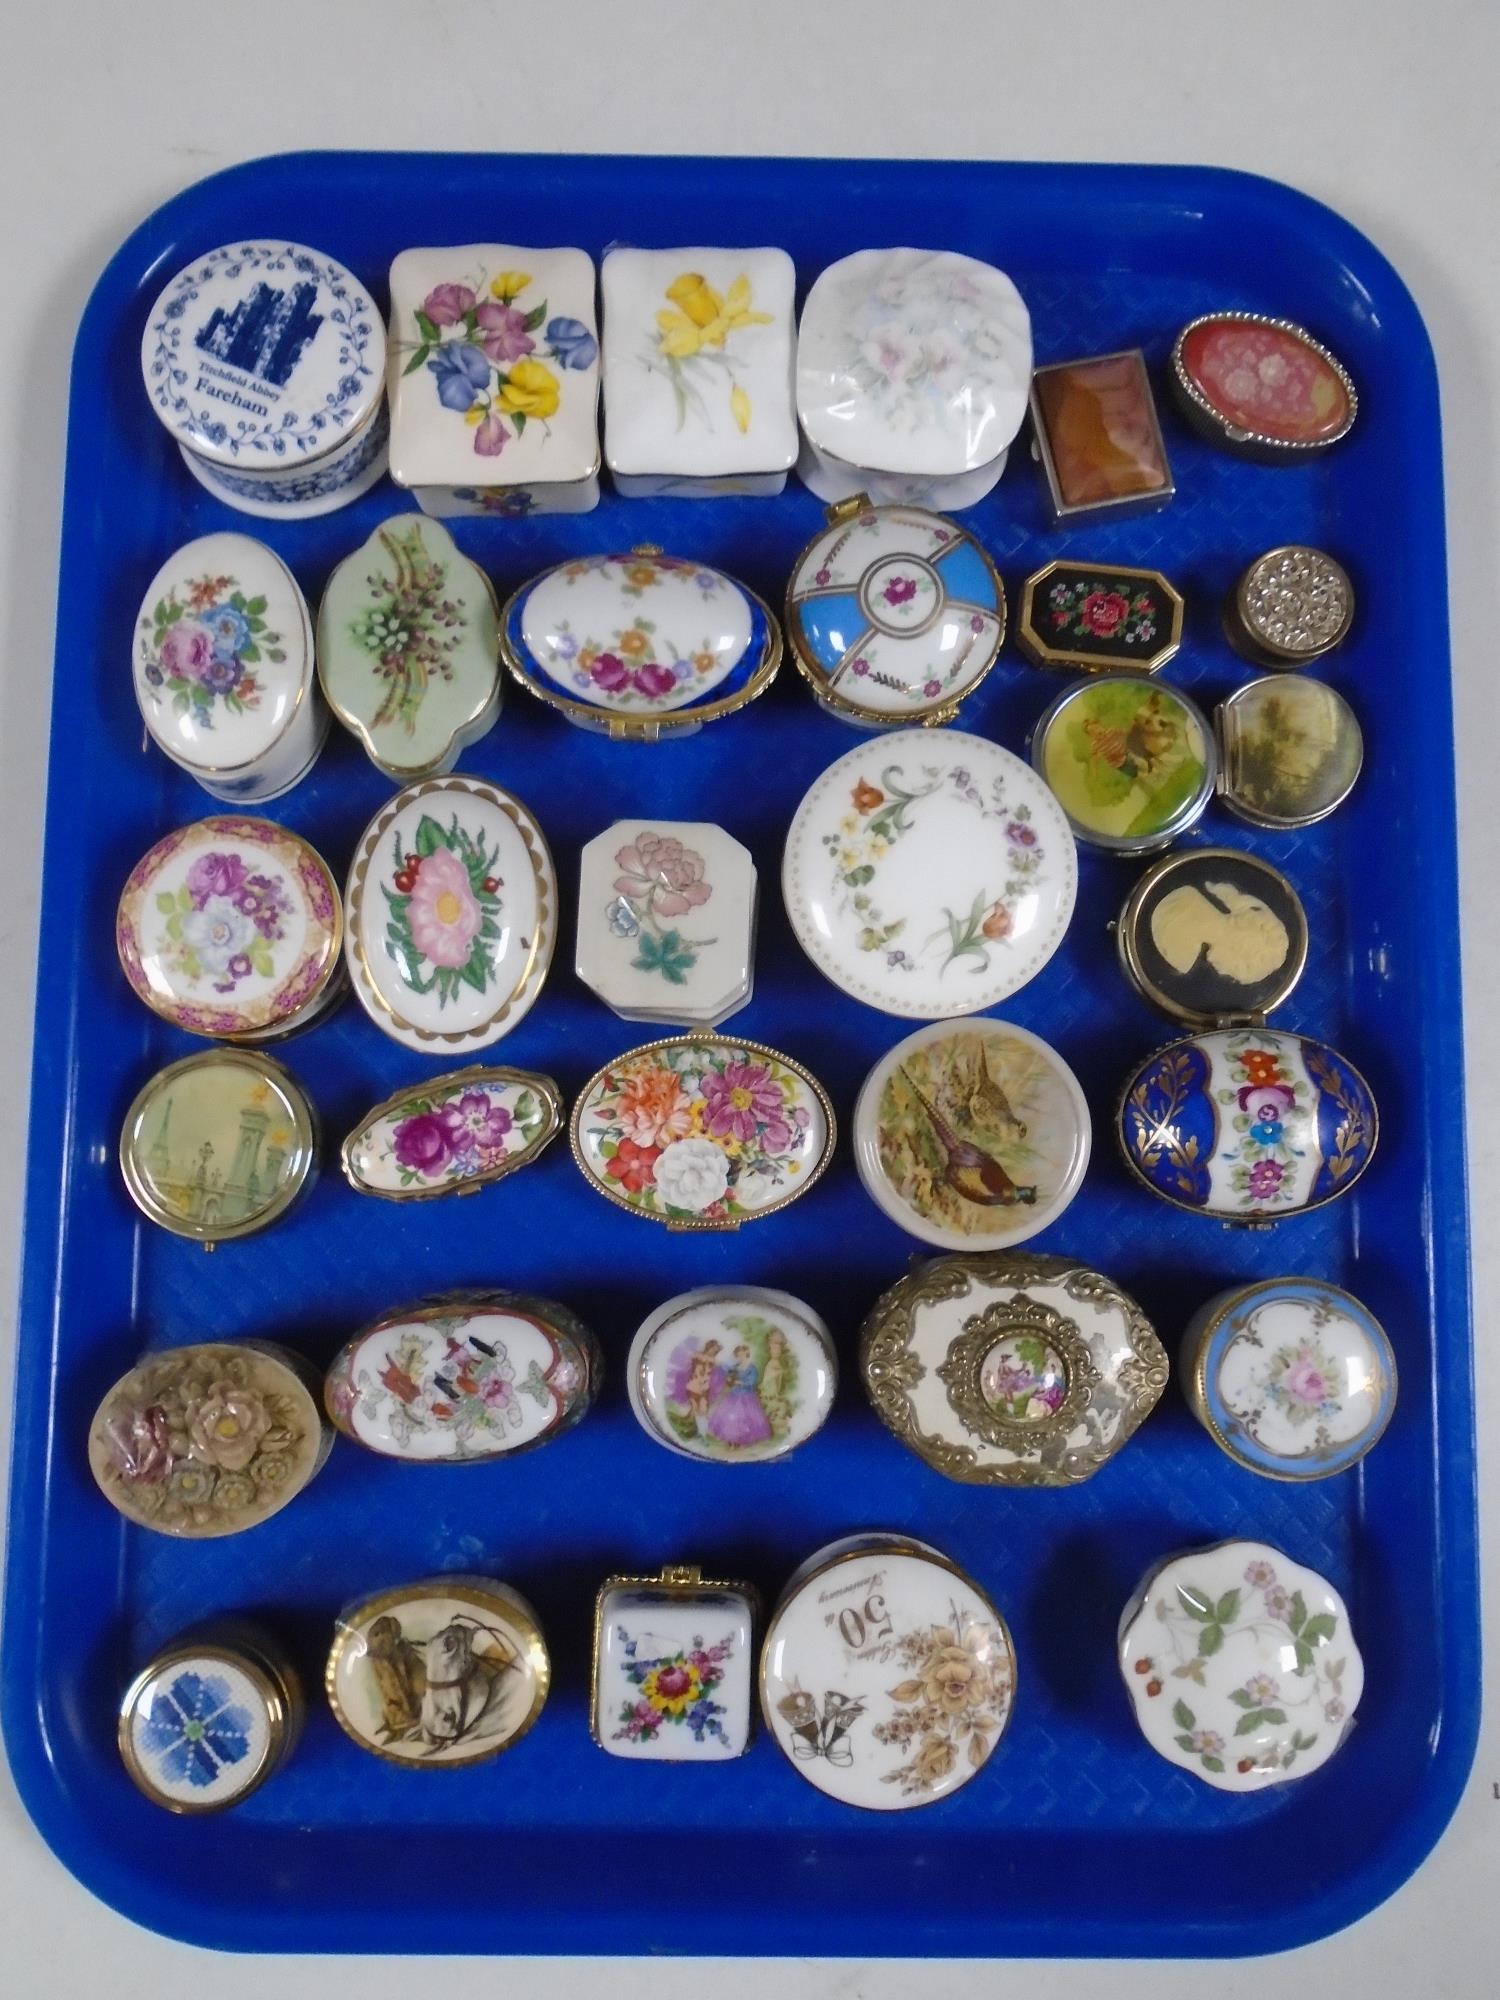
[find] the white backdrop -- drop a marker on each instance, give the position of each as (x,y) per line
(1381,108)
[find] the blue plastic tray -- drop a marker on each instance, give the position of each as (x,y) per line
(1077,1839)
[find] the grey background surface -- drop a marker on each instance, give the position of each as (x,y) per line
(1380,108)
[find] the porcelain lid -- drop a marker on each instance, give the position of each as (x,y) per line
(223,654)
(409,646)
(1290,751)
(463,1378)
(1292,604)
(203,1724)
(263,356)
(455,1134)
(698,350)
(666,920)
(1012,1369)
(208,1440)
(673,1666)
(929,876)
(913,361)
(452,915)
(894,613)
(887,1676)
(230,926)
(1241,1666)
(732,1373)
(1131,762)
(1294,1377)
(448,1671)
(218,1145)
(1247,1124)
(1263,382)
(702,1131)
(1212,936)
(972,1134)
(638,637)
(494,367)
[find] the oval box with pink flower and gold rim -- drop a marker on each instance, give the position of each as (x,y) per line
(701,1132)
(641,645)
(666,921)
(452,915)
(232,928)
(494,380)
(887,1676)
(209,1440)
(472,1376)
(455,1135)
(1240,1666)
(224,669)
(266,362)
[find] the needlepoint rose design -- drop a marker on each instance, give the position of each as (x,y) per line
(444,904)
(659,880)
(676,1691)
(200,647)
(701,1132)
(496,358)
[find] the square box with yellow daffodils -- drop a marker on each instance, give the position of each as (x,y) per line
(493,378)
(699,353)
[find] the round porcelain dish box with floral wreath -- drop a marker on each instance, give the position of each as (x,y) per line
(452,915)
(929,877)
(231,927)
(702,1133)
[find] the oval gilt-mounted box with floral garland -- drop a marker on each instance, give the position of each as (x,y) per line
(459,1133)
(1247,1124)
(702,1133)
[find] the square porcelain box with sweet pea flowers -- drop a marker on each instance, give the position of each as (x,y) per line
(493,375)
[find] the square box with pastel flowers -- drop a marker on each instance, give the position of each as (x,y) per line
(493,379)
(673,1667)
(699,346)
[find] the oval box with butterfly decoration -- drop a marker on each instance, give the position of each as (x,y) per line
(972,1134)
(1012,1369)
(887,1676)
(1247,1124)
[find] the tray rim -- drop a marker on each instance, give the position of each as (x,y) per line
(54,1052)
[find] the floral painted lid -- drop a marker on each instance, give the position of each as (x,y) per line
(451,1136)
(673,1667)
(642,643)
(223,654)
(494,366)
(1263,385)
(732,1373)
(666,921)
(1240,1666)
(1290,751)
(230,927)
(438,1674)
(894,614)
(698,349)
(929,877)
(702,1133)
(263,355)
(1247,1124)
(1011,1369)
(208,1440)
(409,647)
(1292,1376)
(464,1378)
(1130,761)
(1095,616)
(452,915)
(972,1134)
(913,361)
(206,1722)
(218,1145)
(887,1676)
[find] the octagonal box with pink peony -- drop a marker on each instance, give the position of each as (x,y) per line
(493,378)
(666,921)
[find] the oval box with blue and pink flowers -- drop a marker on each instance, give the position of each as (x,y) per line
(493,374)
